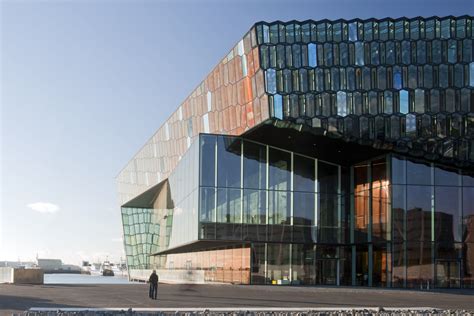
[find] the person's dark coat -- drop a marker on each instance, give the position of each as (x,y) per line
(153,278)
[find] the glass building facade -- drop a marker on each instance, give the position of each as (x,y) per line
(319,153)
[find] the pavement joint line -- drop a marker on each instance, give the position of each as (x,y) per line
(232,309)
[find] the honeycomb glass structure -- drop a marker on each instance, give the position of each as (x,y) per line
(316,152)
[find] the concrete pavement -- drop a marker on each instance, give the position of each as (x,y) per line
(16,298)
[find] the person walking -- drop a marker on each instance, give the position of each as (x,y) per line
(153,280)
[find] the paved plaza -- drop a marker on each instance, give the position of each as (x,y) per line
(16,298)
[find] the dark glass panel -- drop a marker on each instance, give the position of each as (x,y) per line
(258,263)
(390,53)
(303,174)
(418,173)
(399,212)
(328,218)
(419,264)
(468,215)
(447,214)
(418,217)
(328,177)
(278,263)
(303,208)
(208,160)
(446,177)
(228,161)
(303,264)
(436,51)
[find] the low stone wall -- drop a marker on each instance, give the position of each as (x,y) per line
(171,276)
(21,276)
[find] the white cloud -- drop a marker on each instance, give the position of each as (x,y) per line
(44,207)
(117,239)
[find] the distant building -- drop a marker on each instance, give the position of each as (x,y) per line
(50,264)
(316,152)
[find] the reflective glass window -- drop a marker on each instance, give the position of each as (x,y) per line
(208,160)
(337,32)
(279,169)
(321,32)
(271,81)
(278,263)
(397,78)
(368,31)
(382,78)
(290,33)
(436,54)
(266,34)
(415,29)
(207,205)
(410,127)
(374,53)
(228,161)
(383,31)
(280,56)
(255,171)
(254,207)
(353,31)
(428,76)
(399,30)
(328,56)
(278,106)
(279,207)
(446,28)
(418,216)
(312,55)
(404,105)
(471,74)
(359,53)
(452,51)
(446,177)
(447,214)
(390,53)
(350,78)
(443,76)
(419,101)
(228,205)
(344,52)
(388,102)
(430,31)
(467,50)
(406,52)
(341,103)
(434,101)
(468,213)
(304,173)
(418,173)
(305,33)
(296,55)
(421,52)
(274,33)
(303,208)
(328,177)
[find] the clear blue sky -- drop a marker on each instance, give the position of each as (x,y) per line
(85,83)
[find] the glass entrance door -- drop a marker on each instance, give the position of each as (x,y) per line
(448,273)
(326,272)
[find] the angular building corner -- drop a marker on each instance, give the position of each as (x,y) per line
(316,152)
